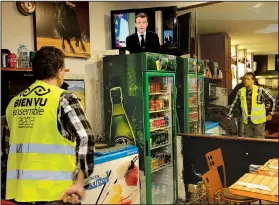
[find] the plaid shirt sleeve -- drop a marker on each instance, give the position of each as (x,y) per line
(234,105)
(74,121)
(268,98)
(5,142)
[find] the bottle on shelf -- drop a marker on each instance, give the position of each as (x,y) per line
(23,57)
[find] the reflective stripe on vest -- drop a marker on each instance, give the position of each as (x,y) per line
(256,117)
(38,175)
(42,148)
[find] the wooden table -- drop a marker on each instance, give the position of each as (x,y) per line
(254,195)
(258,195)
(263,170)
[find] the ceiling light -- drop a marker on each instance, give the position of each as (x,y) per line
(258,5)
(271,28)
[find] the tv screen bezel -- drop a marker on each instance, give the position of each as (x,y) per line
(173,8)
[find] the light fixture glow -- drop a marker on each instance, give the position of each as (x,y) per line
(258,5)
(271,28)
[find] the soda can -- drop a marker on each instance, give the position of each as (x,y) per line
(157,122)
(161,104)
(166,120)
(151,105)
(152,87)
(162,122)
(12,60)
(157,86)
(157,104)
(151,121)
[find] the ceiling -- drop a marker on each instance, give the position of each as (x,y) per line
(251,25)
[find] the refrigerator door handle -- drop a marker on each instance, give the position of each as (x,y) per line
(146,148)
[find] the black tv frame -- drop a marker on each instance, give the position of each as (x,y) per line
(144,10)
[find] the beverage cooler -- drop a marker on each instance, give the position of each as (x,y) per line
(190,96)
(139,104)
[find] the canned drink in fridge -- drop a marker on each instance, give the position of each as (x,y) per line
(162,121)
(156,122)
(151,121)
(151,87)
(157,86)
(157,104)
(151,105)
(161,104)
(166,120)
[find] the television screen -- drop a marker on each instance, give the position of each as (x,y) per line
(77,88)
(161,20)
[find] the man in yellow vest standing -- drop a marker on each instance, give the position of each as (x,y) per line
(49,141)
(252,99)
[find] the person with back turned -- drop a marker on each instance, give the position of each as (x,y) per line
(142,40)
(252,99)
(48,139)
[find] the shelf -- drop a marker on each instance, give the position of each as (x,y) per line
(213,98)
(23,69)
(193,91)
(160,93)
(191,106)
(155,111)
(160,128)
(213,78)
(193,121)
(159,146)
(160,168)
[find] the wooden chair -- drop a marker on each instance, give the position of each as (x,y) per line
(214,160)
(215,191)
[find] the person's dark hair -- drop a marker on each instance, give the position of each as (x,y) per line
(46,62)
(251,74)
(141,15)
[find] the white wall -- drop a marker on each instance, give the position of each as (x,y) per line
(271,62)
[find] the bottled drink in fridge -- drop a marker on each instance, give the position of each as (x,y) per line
(120,128)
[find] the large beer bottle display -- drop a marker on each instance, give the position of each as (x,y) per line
(121,131)
(139,108)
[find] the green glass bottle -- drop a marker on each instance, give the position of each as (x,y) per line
(121,131)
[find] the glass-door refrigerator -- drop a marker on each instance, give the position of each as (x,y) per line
(201,75)
(139,108)
(189,97)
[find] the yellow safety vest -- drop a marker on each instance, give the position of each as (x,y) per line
(258,112)
(40,160)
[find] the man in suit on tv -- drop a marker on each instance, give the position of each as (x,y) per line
(168,38)
(142,40)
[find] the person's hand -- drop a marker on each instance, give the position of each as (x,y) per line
(268,117)
(229,118)
(74,194)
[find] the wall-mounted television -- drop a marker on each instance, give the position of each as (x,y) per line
(161,20)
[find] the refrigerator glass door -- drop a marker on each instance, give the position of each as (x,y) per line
(160,121)
(201,104)
(193,112)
